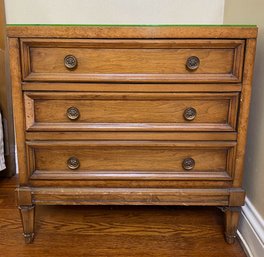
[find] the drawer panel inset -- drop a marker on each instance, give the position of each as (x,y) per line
(71,111)
(131,160)
(132,60)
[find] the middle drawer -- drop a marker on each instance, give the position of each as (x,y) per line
(72,111)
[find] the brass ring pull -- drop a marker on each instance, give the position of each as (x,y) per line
(193,63)
(188,163)
(70,62)
(73,113)
(73,163)
(189,114)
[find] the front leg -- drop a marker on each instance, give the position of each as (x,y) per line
(231,223)
(27,213)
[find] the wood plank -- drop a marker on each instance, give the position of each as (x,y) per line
(65,31)
(9,182)
(226,136)
(132,184)
(80,144)
(135,87)
(7,197)
(244,110)
(17,101)
(128,196)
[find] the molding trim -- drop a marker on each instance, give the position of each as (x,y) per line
(251,230)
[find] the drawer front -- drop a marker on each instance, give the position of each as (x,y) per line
(73,111)
(124,160)
(132,60)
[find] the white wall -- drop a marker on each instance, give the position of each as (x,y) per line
(114,11)
(252,13)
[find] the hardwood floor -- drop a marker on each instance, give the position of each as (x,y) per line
(114,230)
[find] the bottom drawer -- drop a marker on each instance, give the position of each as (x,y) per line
(130,160)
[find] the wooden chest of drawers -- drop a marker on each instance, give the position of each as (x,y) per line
(131,115)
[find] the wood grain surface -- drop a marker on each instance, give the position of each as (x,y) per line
(142,160)
(114,231)
(132,60)
(130,111)
(128,87)
(146,31)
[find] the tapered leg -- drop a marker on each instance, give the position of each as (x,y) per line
(231,223)
(27,213)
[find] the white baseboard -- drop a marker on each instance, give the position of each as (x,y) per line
(251,230)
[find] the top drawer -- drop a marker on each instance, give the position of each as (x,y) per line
(90,60)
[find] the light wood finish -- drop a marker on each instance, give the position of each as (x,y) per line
(127,135)
(113,32)
(27,214)
(244,110)
(134,231)
(231,220)
(140,183)
(6,101)
(135,87)
(132,60)
(128,196)
(18,107)
(131,140)
(131,160)
(130,112)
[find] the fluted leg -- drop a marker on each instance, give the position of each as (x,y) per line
(231,223)
(27,213)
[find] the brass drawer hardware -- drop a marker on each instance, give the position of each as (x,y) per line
(189,114)
(70,62)
(73,113)
(193,63)
(73,163)
(188,163)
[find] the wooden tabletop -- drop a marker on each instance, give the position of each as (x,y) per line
(132,31)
